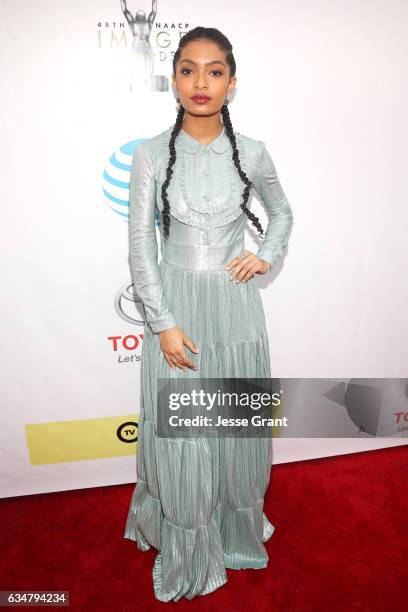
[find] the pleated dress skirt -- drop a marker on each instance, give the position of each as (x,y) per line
(199,501)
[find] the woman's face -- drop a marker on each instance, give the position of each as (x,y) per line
(202,69)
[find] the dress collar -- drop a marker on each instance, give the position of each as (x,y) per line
(220,144)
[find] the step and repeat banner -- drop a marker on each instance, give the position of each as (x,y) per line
(83,83)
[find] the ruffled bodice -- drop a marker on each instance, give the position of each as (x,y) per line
(205,190)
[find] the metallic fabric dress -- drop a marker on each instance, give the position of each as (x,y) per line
(199,501)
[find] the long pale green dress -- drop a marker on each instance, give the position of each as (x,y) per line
(199,501)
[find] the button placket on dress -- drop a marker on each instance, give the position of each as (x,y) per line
(207,196)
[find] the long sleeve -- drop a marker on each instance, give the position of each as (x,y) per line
(143,248)
(280,215)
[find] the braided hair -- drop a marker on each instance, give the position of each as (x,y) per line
(224,44)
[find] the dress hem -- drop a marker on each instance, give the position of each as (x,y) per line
(148,527)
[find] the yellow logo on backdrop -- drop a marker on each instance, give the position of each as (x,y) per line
(81,440)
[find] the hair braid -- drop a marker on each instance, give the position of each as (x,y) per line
(216,36)
(169,171)
(235,156)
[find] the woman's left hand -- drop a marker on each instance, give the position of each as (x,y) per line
(246,266)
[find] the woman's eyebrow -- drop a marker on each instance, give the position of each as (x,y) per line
(207,63)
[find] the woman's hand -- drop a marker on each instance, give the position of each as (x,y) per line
(172,342)
(246,266)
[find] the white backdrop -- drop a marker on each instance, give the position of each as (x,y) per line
(322,83)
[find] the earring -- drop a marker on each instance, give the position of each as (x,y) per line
(227,100)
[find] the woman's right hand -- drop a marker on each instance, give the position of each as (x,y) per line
(172,342)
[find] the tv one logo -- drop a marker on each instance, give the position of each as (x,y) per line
(127,432)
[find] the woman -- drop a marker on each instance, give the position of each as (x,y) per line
(199,501)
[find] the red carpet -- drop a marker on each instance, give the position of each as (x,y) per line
(340,543)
